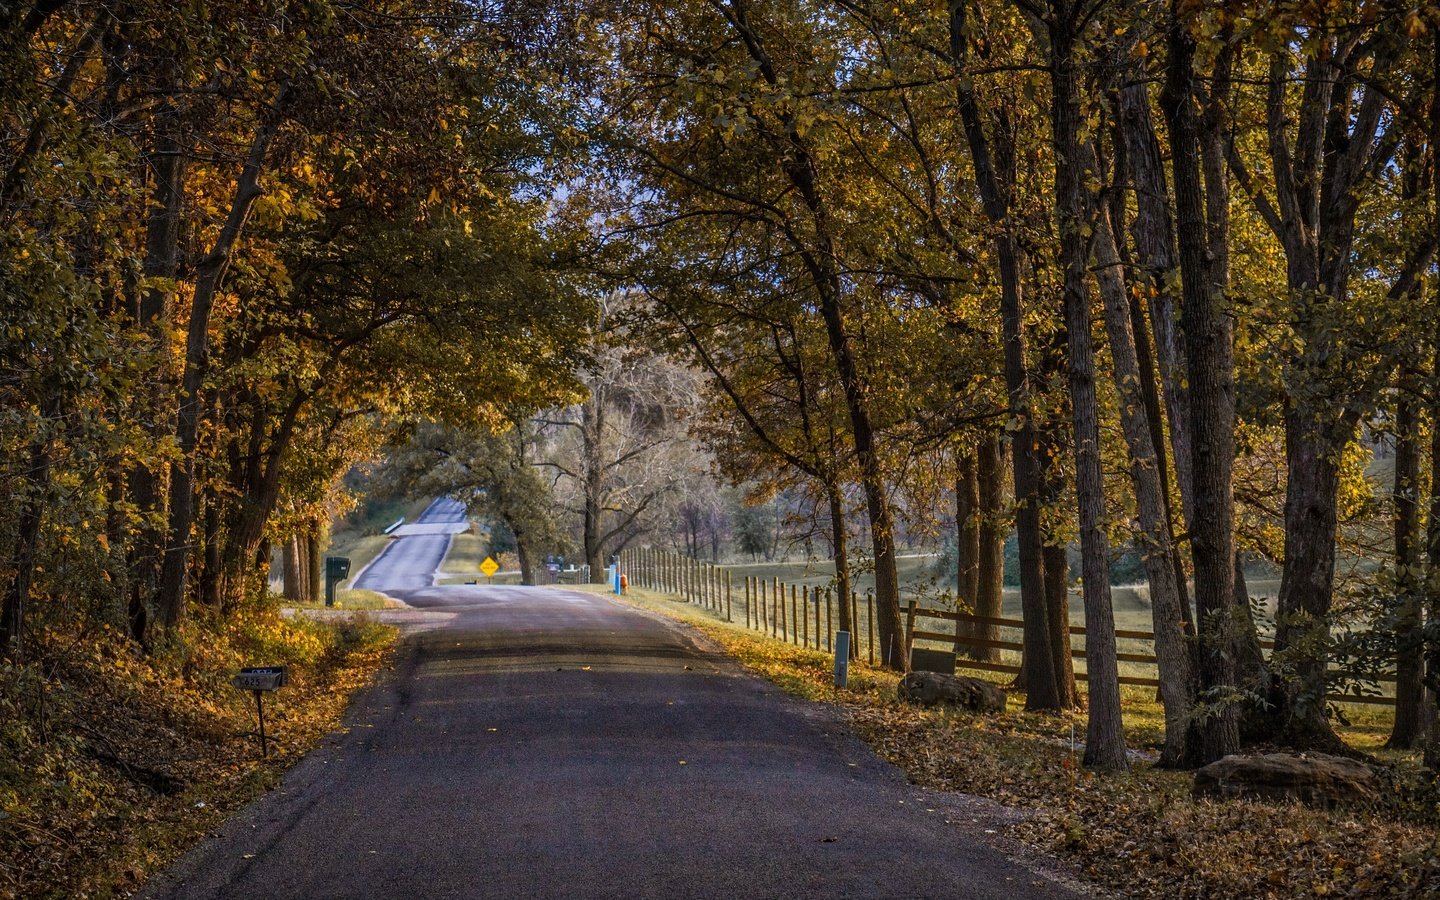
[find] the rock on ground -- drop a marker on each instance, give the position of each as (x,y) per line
(1314,779)
(931,688)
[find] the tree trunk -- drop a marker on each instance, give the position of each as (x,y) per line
(819,255)
(32,514)
(211,574)
(1209,365)
(1172,650)
(967,529)
(840,540)
(592,427)
(315,561)
(990,577)
(1042,691)
(293,574)
(1302,634)
(1105,736)
(527,564)
(1432,524)
(175,564)
(1406,733)
(1153,232)
(167,160)
(1055,573)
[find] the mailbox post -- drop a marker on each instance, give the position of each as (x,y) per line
(260,680)
(337,569)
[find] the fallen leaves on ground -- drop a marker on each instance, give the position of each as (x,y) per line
(113,762)
(1139,834)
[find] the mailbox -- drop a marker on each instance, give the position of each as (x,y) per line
(260,678)
(337,569)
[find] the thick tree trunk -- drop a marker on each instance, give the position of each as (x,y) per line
(1042,690)
(1209,352)
(527,564)
(1302,634)
(315,562)
(292,571)
(1055,573)
(1407,731)
(990,574)
(211,574)
(1105,736)
(1172,650)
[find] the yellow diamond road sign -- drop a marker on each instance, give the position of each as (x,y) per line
(489,567)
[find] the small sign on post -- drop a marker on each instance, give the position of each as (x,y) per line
(260,680)
(489,567)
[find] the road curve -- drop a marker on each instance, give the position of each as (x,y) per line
(551,744)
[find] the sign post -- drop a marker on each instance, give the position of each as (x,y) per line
(259,680)
(489,567)
(842,658)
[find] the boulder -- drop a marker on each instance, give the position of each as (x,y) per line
(1314,779)
(931,688)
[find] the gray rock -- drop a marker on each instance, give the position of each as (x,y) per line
(1314,779)
(931,688)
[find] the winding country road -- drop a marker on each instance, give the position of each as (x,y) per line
(542,743)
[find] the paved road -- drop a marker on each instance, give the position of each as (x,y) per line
(541,743)
(410,562)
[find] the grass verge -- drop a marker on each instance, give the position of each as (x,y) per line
(1140,833)
(113,763)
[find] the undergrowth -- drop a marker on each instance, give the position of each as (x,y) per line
(114,762)
(1139,834)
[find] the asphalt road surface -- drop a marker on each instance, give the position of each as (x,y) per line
(410,562)
(539,743)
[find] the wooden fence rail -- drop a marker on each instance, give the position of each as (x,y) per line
(808,616)
(799,614)
(917,612)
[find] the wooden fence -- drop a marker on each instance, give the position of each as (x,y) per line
(1136,649)
(808,616)
(802,615)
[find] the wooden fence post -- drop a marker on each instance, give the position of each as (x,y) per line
(910,632)
(870,629)
(775,606)
(805,617)
(829,620)
(729,592)
(818,632)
